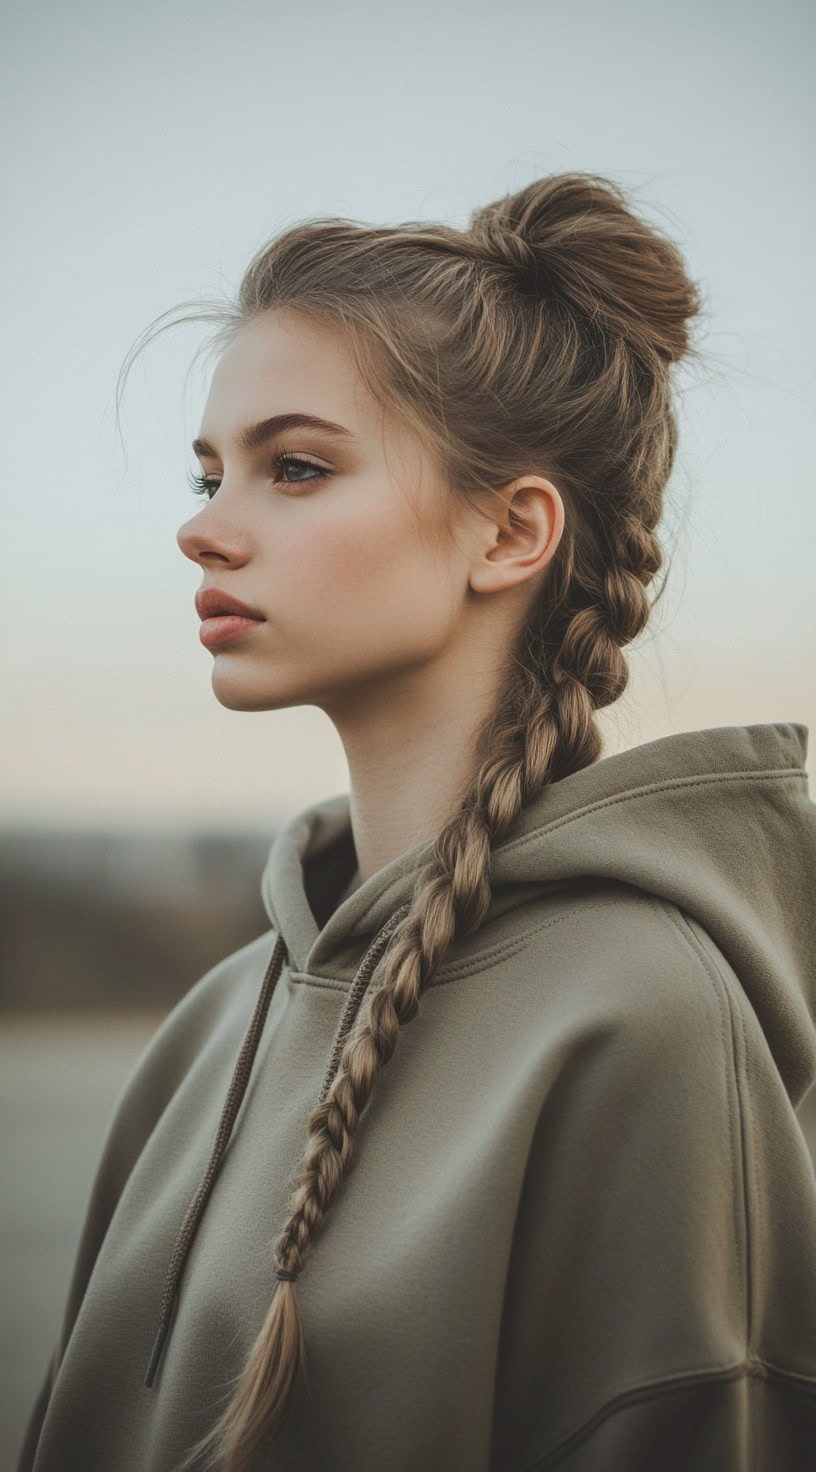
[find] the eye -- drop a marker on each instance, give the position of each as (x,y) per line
(285,457)
(200,484)
(207,485)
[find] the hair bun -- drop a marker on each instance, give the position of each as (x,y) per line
(574,236)
(509,249)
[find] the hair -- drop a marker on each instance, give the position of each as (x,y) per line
(539,339)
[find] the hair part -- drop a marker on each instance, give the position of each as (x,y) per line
(539,339)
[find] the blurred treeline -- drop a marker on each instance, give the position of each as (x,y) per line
(108,921)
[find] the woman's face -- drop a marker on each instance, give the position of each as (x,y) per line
(350,549)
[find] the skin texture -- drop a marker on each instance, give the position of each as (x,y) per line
(390,603)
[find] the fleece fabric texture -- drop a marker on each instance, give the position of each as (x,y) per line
(579,1227)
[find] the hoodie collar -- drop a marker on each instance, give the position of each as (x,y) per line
(717,821)
(311,861)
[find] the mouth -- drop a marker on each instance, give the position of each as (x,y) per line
(214,603)
(225,627)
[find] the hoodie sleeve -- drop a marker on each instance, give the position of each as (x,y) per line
(660,1305)
(154,1079)
(137,1111)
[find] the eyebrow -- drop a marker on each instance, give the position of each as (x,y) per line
(252,436)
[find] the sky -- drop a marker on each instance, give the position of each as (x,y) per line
(148,151)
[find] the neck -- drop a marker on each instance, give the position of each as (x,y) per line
(410,750)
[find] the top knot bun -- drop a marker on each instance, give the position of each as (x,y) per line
(574,237)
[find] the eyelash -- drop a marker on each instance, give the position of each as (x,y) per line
(201,485)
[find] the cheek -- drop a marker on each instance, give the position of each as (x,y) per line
(368,583)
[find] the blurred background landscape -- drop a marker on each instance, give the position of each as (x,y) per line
(146,153)
(121,921)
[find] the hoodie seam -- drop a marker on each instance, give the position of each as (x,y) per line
(681,923)
(648,789)
(750,1368)
(481,962)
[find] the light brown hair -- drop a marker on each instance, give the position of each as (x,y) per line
(539,339)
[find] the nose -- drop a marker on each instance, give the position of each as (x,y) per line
(191,540)
(205,539)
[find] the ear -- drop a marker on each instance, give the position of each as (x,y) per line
(521,535)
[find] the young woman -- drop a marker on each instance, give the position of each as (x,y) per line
(485,1156)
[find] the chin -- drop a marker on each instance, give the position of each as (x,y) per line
(239,691)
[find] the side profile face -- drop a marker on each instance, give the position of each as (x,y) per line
(365,568)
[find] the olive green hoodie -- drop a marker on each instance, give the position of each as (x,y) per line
(579,1226)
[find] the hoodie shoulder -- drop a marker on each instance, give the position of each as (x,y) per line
(638,978)
(667,1222)
(227,990)
(229,984)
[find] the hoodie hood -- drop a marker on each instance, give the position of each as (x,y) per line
(717,821)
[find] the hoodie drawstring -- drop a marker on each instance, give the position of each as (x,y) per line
(235,1094)
(357,992)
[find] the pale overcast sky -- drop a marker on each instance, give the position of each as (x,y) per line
(148,150)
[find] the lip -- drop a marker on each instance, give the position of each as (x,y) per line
(211,602)
(221,630)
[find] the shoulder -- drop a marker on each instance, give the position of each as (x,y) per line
(608,986)
(222,998)
(633,1039)
(220,1002)
(608,952)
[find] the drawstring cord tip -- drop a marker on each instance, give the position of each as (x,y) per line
(156,1355)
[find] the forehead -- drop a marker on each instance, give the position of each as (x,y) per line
(280,363)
